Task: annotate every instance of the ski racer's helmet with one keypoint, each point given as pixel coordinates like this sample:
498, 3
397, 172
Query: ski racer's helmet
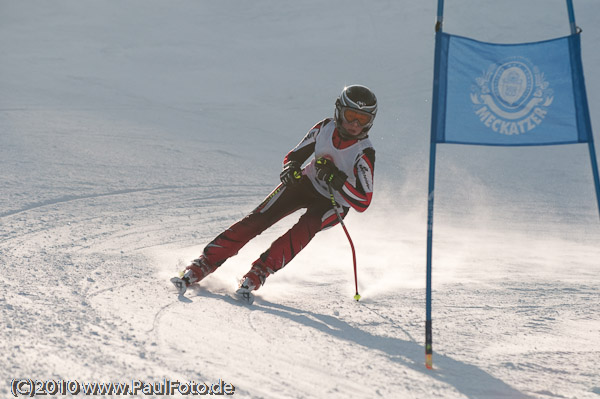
358, 103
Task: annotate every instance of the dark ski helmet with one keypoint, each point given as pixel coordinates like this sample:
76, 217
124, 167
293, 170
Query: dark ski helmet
358, 103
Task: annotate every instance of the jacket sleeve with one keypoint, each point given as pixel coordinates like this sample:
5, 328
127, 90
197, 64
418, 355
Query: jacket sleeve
306, 147
359, 196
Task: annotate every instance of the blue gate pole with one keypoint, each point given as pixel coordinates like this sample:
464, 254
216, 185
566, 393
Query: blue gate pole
571, 17
428, 327
431, 189
595, 170
591, 147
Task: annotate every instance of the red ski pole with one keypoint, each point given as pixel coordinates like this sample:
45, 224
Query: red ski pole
357, 296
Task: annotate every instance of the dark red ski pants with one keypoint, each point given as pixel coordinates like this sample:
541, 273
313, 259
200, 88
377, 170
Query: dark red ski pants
283, 201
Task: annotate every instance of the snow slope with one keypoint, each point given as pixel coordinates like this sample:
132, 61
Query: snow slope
134, 132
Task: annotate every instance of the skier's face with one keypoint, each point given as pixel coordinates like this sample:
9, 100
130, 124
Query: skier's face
353, 128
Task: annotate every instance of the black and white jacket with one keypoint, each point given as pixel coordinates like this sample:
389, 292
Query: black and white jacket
356, 158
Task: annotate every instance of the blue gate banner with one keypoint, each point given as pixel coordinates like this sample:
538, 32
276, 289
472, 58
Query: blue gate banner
510, 94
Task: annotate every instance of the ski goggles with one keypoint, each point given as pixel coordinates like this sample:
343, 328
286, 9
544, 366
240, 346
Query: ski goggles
350, 115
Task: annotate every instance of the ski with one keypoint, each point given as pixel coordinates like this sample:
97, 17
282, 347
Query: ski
241, 294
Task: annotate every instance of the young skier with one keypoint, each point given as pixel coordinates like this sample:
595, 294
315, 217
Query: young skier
343, 162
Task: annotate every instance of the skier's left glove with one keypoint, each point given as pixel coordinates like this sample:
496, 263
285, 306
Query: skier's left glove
330, 174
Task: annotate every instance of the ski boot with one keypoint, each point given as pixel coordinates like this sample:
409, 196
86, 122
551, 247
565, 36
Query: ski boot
185, 278
252, 280
192, 274
244, 292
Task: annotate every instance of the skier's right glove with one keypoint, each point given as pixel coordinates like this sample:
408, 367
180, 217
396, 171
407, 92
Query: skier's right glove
291, 173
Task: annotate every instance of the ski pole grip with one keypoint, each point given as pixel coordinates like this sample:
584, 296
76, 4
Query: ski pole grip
332, 198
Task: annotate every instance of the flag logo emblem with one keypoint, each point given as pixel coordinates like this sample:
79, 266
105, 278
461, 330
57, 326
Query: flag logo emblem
512, 96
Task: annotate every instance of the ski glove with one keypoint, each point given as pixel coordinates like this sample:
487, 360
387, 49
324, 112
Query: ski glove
291, 173
330, 174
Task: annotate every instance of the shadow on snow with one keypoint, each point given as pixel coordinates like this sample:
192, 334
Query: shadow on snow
468, 379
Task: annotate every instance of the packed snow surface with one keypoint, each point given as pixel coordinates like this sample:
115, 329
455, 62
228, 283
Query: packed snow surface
131, 133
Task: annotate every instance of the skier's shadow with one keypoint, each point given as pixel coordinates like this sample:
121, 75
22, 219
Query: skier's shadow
468, 379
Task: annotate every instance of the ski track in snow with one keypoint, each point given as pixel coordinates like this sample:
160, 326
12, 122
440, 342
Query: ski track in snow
95, 275
129, 140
